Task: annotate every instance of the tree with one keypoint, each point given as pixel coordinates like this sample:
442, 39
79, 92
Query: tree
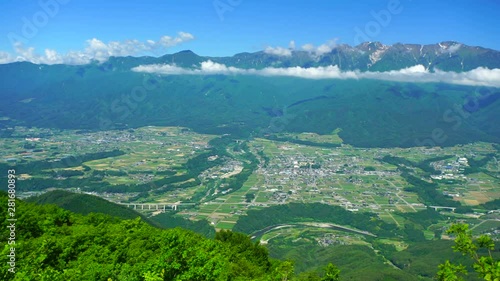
332, 273
451, 272
284, 271
249, 197
487, 267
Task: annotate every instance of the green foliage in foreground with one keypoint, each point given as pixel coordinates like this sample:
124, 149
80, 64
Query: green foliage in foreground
486, 264
332, 273
85, 204
55, 244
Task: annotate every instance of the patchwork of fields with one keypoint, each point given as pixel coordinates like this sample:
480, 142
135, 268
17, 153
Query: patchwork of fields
288, 171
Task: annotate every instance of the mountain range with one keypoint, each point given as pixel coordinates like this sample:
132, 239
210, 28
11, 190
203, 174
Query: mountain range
369, 112
368, 56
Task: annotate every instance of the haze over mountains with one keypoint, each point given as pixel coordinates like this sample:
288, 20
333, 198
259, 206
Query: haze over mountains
374, 93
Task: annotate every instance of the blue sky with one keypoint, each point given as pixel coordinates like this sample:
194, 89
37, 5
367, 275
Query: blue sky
226, 27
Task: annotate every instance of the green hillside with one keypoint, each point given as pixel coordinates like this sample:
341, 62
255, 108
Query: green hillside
370, 113
374, 257
54, 244
85, 204
170, 220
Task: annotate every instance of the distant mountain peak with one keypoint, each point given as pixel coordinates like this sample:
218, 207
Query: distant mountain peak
186, 52
370, 45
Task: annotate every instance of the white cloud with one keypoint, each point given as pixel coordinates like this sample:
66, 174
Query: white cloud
308, 47
291, 45
278, 51
326, 48
452, 49
210, 67
418, 73
5, 57
321, 72
95, 50
166, 69
321, 49
477, 77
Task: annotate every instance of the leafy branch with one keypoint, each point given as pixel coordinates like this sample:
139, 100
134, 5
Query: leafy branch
487, 267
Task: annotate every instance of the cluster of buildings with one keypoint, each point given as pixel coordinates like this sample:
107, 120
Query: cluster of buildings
450, 170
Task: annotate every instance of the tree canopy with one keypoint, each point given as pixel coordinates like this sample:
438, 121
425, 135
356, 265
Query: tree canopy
56, 244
